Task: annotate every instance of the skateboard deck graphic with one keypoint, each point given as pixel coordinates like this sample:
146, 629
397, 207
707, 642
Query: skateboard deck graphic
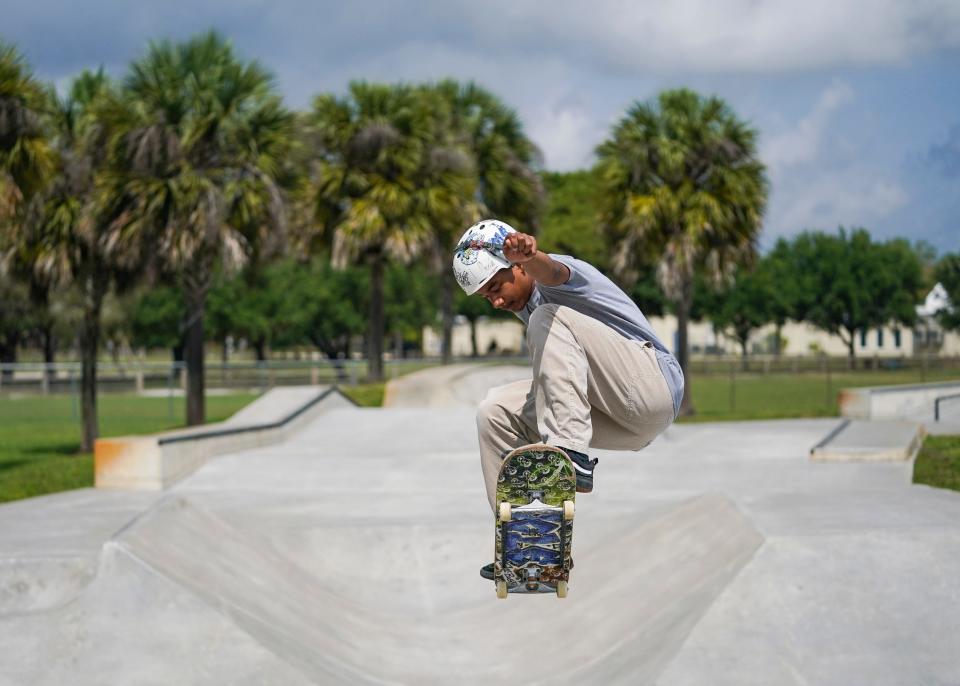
536, 488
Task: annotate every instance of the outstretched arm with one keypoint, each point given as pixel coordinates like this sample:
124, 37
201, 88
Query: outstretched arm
521, 248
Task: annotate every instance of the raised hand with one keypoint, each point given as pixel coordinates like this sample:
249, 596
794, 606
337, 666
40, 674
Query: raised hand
519, 248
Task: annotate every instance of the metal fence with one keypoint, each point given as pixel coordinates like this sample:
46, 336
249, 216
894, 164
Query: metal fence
822, 364
166, 379
159, 378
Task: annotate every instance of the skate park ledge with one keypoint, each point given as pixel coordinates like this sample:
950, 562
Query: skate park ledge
157, 461
918, 401
863, 440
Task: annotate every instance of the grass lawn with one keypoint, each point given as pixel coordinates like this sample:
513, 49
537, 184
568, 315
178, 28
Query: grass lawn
40, 437
366, 395
938, 463
718, 397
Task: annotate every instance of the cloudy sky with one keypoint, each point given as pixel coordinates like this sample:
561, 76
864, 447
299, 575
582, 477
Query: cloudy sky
857, 101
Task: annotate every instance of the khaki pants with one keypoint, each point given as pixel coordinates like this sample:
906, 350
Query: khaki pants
591, 387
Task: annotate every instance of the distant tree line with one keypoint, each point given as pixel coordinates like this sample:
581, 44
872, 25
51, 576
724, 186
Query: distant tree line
184, 202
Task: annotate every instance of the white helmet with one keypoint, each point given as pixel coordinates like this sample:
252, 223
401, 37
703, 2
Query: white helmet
479, 254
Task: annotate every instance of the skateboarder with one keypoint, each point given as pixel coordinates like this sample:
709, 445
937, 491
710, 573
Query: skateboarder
601, 377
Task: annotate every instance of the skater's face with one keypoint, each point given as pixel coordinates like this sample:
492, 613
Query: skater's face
509, 289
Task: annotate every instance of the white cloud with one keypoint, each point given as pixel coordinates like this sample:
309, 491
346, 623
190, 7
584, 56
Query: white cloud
731, 36
802, 144
815, 188
850, 197
567, 135
555, 117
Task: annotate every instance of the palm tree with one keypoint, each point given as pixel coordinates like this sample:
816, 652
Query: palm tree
66, 239
15, 321
26, 158
27, 162
199, 145
682, 185
504, 161
378, 182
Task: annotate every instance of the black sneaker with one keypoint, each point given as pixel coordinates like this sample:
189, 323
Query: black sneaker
583, 466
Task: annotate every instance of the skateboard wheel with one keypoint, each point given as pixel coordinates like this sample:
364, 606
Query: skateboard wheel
561, 589
568, 510
501, 589
505, 514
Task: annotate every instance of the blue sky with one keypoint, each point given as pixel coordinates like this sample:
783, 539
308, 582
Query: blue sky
857, 102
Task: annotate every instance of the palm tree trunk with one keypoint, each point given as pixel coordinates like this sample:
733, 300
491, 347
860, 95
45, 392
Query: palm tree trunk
683, 350
375, 338
89, 346
8, 354
49, 351
196, 301
40, 296
260, 348
446, 305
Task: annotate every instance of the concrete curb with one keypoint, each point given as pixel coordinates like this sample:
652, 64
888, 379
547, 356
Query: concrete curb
861, 440
158, 461
913, 401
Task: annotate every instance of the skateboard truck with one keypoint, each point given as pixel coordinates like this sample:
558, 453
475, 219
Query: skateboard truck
533, 578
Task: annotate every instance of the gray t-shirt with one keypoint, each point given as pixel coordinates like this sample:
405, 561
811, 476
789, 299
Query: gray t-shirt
591, 293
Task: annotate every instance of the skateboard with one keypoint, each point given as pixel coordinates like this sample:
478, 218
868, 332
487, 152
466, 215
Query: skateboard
536, 488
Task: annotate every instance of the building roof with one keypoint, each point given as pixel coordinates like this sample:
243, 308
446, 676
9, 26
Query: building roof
936, 301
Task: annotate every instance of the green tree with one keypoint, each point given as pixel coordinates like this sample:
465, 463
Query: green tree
26, 157
571, 223
15, 320
65, 237
947, 273
371, 147
785, 297
156, 319
244, 305
682, 188
847, 283
27, 163
743, 305
502, 162
320, 305
411, 304
200, 144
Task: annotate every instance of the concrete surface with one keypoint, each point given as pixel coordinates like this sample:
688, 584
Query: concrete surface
157, 461
906, 401
859, 439
349, 554
455, 384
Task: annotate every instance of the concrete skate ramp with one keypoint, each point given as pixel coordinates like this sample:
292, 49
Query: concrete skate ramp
858, 439
451, 385
228, 606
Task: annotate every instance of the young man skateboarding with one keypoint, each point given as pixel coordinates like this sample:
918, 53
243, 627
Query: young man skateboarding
601, 377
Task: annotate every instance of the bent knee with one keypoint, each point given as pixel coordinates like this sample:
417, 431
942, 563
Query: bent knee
491, 410
545, 313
